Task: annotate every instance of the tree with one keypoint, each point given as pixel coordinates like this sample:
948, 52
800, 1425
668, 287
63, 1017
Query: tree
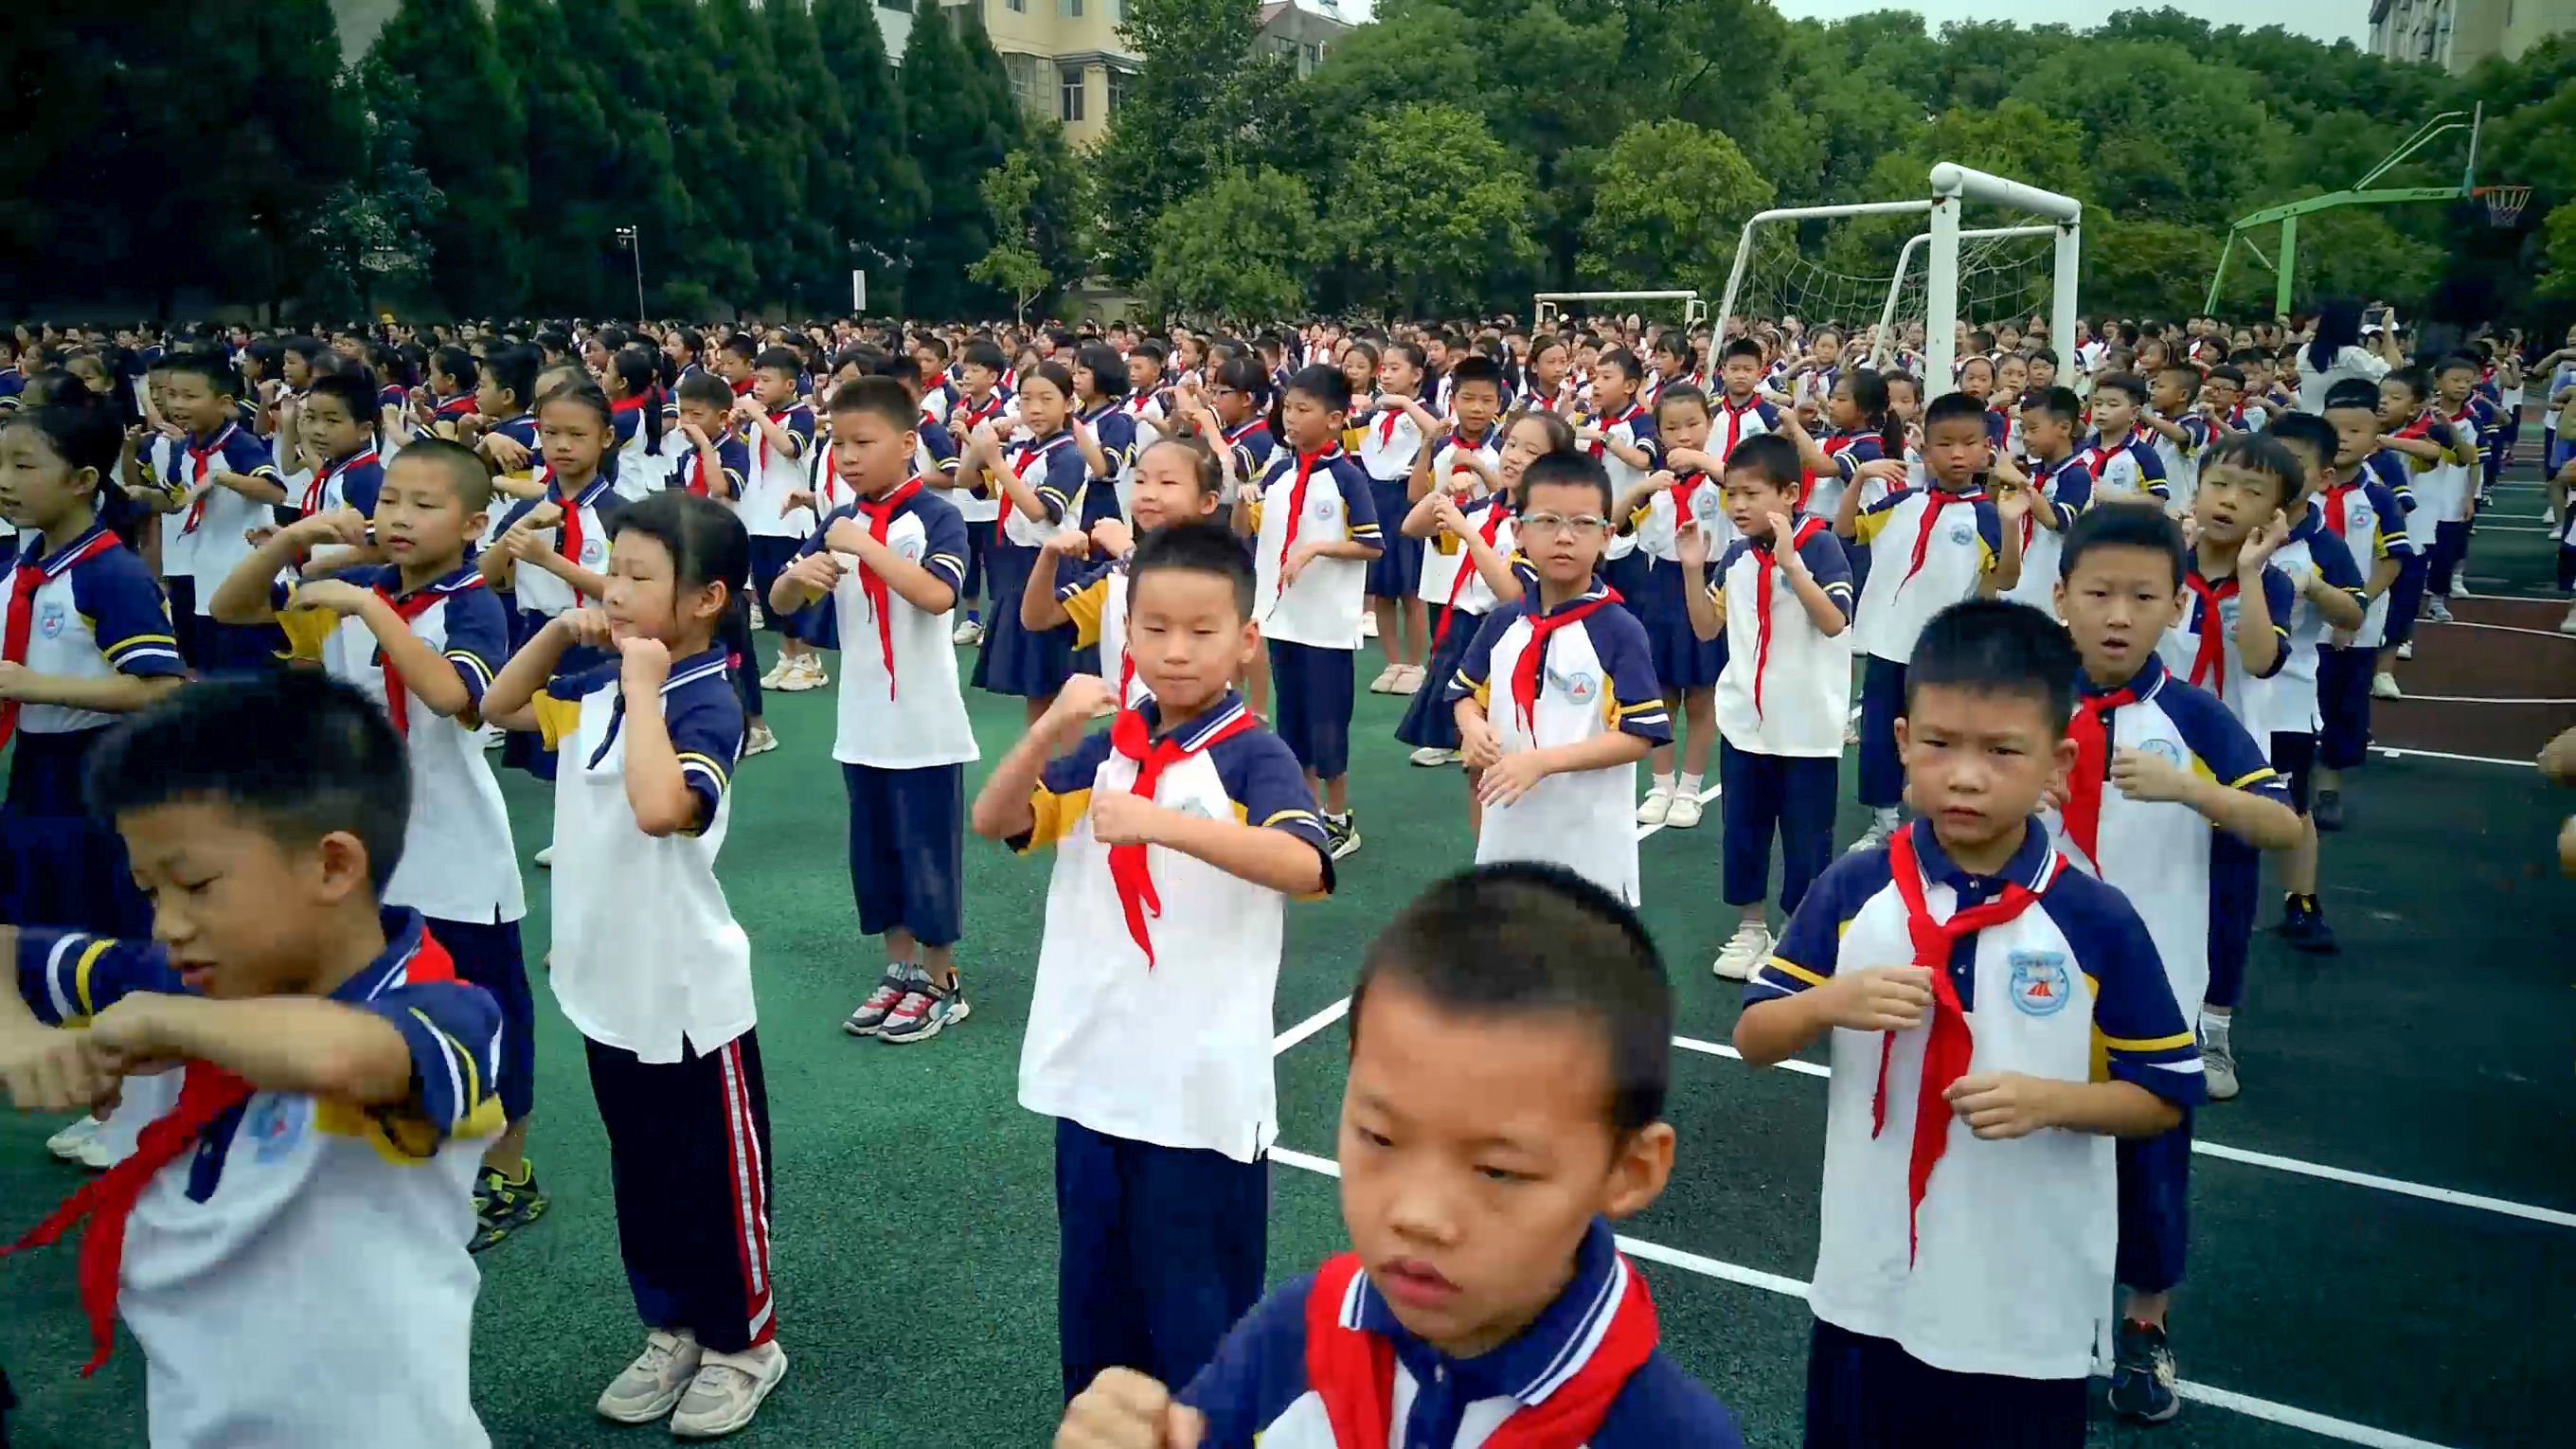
456, 100
1239, 248
1009, 192
373, 233
952, 132
570, 144
1434, 209
819, 168
771, 132
678, 72
884, 194
1189, 112
1666, 207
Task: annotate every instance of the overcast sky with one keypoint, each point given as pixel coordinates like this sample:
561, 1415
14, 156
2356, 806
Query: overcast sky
2327, 20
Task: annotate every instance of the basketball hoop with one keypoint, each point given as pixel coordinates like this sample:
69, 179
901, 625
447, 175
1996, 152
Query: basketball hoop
2504, 203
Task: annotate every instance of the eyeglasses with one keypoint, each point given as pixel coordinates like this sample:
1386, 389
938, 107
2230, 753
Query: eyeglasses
1552, 523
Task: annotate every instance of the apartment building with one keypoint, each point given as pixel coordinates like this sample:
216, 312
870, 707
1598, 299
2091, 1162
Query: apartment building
2458, 34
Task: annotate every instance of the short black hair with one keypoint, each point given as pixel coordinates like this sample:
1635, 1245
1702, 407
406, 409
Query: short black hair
355, 390
221, 378
1998, 647
2263, 453
1197, 547
2456, 362
2127, 384
1950, 407
2146, 528
2353, 392
1563, 467
1772, 456
708, 389
1624, 360
467, 473
459, 364
707, 543
2060, 403
2189, 374
1475, 367
1520, 939
1681, 392
778, 359
2417, 382
328, 761
1738, 347
883, 396
514, 370
2310, 429
984, 353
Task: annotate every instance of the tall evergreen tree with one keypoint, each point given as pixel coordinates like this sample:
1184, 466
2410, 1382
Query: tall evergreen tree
693, 90
770, 133
954, 138
635, 178
470, 132
1186, 115
885, 193
564, 228
295, 138
821, 166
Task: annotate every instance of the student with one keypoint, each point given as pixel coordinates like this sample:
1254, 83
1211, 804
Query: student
714, 462
648, 962
1477, 467
2360, 513
229, 485
2562, 526
453, 377
505, 400
1177, 481
779, 429
2124, 467
1865, 441
1314, 523
1933, 1327
343, 462
2179, 431
1512, 1025
1038, 472
1392, 438
331, 1030
1924, 565
2161, 773
2061, 481
634, 387
2450, 492
1557, 742
1679, 499
1180, 832
1783, 591
892, 561
84, 638
2418, 445
550, 553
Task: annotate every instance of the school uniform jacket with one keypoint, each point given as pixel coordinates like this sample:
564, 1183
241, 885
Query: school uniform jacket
207, 538
2127, 468
2216, 603
1322, 607
2065, 489
909, 716
1804, 674
540, 591
95, 612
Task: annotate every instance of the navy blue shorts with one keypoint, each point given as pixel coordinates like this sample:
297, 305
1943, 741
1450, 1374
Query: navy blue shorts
1882, 700
2567, 568
1160, 1250
2343, 701
770, 557
908, 850
1869, 1393
2155, 1208
60, 865
2294, 755
2406, 596
487, 954
1310, 703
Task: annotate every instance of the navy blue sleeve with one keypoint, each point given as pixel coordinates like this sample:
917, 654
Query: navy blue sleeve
249, 455
1634, 703
1359, 501
2135, 1020
2151, 472
2388, 526
129, 619
1811, 946
1661, 1406
1116, 434
800, 424
2334, 562
478, 639
1259, 1370
2219, 741
2071, 491
1831, 568
1476, 666
1064, 477
585, 684
453, 1031
943, 543
706, 725
360, 487
943, 448
1260, 774
2279, 596
1990, 527
67, 977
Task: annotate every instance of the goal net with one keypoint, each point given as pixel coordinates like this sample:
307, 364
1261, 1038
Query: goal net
1682, 306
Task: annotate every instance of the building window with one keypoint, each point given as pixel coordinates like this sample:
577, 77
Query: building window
1072, 9
1019, 5
1071, 90
1118, 11
1024, 71
1117, 80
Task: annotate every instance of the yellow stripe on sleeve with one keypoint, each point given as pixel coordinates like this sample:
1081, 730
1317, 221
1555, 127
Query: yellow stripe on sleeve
1084, 607
557, 719
708, 763
2148, 1044
1052, 815
80, 976
1787, 967
2254, 777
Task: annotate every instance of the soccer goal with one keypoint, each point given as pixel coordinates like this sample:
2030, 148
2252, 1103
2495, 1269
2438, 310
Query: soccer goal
1979, 274
1548, 306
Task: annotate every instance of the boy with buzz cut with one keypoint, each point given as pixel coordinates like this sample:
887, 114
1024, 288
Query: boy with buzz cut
779, 430
2358, 511
2176, 429
222, 484
1970, 1196
339, 1081
2162, 773
1925, 563
1512, 1024
1782, 594
1556, 745
2061, 486
892, 562
423, 637
2123, 465
1180, 831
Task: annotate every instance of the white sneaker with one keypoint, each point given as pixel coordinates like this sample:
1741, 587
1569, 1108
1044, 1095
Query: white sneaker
727, 1391
1685, 811
1747, 949
2383, 685
1409, 680
546, 856
760, 741
759, 615
1386, 678
652, 1385
2568, 624
1657, 807
1874, 838
814, 672
1368, 624
2406, 650
2460, 589
2218, 1064
777, 672
968, 631
1432, 757
800, 674
2438, 611
78, 1142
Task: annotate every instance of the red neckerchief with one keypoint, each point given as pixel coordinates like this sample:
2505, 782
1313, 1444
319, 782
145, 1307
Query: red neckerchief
1601, 445
1128, 871
1237, 437
24, 581
1525, 670
1948, 1046
1030, 451
698, 473
633, 404
743, 388
319, 489
879, 513
760, 440
1353, 1370
206, 1093
1767, 559
568, 538
1934, 500
407, 608
461, 405
1490, 530
1306, 465
1685, 512
200, 463
2209, 659
1387, 418
2091, 731
1735, 421
2335, 495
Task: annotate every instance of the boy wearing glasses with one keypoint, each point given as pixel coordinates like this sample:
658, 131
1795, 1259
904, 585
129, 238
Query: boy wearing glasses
1557, 699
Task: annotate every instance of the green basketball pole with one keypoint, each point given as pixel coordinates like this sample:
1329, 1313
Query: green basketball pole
2359, 194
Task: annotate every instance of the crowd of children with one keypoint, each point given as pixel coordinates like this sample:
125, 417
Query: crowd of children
2119, 619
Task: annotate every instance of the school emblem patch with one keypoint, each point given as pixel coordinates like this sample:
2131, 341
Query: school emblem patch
2039, 983
50, 621
1193, 807
273, 1126
2165, 750
1322, 510
1582, 687
1962, 533
593, 552
909, 550
1707, 502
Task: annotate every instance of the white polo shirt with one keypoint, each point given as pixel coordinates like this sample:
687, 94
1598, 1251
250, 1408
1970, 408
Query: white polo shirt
97, 614
1597, 676
1805, 673
301, 1278
2012, 1261
2226, 676
2181, 461
1327, 499
775, 473
458, 861
2065, 488
1894, 607
592, 508
913, 717
2311, 550
647, 955
213, 526
2126, 469
1389, 442
1176, 1053
1448, 569
1052, 467
1634, 428
1096, 601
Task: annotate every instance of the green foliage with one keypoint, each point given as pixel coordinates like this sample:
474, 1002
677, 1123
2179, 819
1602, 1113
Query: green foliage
1010, 193
1186, 114
1666, 207
883, 192
1241, 247
1433, 210
435, 70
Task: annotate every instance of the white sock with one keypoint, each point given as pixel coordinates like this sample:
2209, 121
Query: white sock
1885, 816
1664, 784
2213, 1026
1691, 785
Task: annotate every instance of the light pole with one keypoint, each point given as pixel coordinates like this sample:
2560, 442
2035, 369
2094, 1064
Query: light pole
633, 241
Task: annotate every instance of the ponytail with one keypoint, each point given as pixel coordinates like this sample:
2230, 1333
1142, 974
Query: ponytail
637, 371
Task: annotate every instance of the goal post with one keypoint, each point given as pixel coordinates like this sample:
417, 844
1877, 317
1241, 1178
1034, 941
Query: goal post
1904, 265
1546, 305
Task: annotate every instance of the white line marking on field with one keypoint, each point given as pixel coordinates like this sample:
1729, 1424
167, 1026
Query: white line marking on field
2499, 628
1706, 1267
1311, 1025
1704, 797
2480, 699
2463, 759
1721, 1049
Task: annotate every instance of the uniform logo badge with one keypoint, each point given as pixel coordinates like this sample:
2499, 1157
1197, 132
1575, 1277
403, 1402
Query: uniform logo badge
592, 551
1581, 687
50, 621
1323, 509
909, 550
273, 1125
2040, 985
2163, 749
1962, 533
1192, 807
1707, 502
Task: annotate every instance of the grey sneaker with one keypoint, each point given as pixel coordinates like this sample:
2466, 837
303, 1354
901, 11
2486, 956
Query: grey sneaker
652, 1385
727, 1391
1342, 834
2217, 1065
925, 1011
2438, 611
870, 1018
2142, 1375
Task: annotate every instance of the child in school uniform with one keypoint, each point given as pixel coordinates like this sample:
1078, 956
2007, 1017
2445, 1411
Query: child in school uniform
1477, 467
975, 396
2451, 492
2161, 771
1038, 473
892, 563
634, 387
1392, 436
2351, 506
1513, 1023
1924, 564
2061, 484
1105, 433
714, 462
2124, 466
343, 463
1177, 481
779, 429
648, 962
339, 1080
84, 638
1180, 832
1557, 698
2178, 432
2421, 449
227, 485
423, 635
1314, 525
451, 405
1971, 1200
1680, 497
1782, 592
